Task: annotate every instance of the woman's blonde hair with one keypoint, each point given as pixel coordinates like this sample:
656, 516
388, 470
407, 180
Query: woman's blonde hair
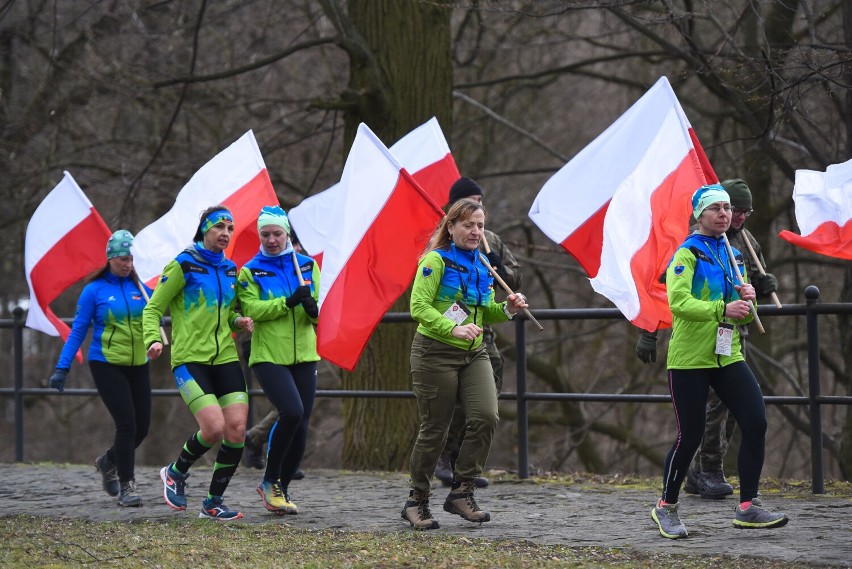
459, 211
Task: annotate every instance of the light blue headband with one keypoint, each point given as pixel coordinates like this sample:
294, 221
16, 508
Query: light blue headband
706, 195
273, 215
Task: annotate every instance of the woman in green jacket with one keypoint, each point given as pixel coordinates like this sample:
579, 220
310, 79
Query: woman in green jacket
199, 289
707, 304
279, 290
451, 299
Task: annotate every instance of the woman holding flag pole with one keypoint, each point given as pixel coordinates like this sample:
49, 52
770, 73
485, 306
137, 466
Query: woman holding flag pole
279, 290
198, 287
709, 297
113, 302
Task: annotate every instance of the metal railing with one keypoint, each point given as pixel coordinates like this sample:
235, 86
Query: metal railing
814, 400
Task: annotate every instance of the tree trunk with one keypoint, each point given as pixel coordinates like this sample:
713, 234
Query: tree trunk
408, 80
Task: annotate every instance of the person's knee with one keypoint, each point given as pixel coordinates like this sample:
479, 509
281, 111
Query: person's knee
482, 422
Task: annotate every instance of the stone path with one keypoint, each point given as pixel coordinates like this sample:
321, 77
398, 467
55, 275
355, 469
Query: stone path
819, 533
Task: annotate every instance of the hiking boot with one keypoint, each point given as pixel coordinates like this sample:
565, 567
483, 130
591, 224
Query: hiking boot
461, 501
444, 469
215, 509
109, 474
253, 455
668, 521
416, 511
712, 484
128, 496
299, 474
480, 481
755, 517
692, 484
272, 495
173, 487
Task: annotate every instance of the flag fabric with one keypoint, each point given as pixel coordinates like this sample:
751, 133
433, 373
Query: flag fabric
824, 211
622, 205
423, 152
236, 178
65, 241
375, 233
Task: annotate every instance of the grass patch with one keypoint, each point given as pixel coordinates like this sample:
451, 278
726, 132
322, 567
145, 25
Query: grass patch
30, 541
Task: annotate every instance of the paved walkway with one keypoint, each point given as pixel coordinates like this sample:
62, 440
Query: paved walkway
819, 533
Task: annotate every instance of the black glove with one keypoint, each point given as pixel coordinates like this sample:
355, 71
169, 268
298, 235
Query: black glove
297, 296
497, 262
765, 284
646, 347
57, 380
310, 306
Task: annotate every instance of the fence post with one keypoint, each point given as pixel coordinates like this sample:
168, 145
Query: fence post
523, 426
817, 473
18, 355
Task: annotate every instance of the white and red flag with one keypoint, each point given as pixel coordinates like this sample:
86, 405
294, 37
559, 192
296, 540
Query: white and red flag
236, 178
375, 233
824, 211
622, 205
65, 241
423, 152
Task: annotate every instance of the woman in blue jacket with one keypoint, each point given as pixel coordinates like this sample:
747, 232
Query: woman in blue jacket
112, 303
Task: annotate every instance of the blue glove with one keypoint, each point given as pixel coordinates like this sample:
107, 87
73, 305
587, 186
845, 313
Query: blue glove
57, 380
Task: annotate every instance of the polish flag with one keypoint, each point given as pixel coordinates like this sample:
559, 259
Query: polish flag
424, 152
65, 242
237, 178
623, 204
824, 211
376, 231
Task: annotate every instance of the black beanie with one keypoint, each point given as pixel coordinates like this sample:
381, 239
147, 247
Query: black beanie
464, 188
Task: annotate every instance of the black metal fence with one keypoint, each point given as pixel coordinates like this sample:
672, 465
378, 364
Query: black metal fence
814, 400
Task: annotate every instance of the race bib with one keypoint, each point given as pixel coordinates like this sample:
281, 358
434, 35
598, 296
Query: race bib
458, 313
724, 339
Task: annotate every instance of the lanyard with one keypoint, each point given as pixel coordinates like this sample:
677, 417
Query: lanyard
726, 267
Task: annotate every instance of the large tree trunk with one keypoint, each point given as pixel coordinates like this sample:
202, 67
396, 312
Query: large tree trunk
407, 81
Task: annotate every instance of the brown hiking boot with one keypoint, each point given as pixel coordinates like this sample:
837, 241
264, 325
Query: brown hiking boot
460, 501
416, 511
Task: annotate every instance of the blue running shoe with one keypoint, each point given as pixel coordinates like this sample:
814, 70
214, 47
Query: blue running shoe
215, 509
173, 487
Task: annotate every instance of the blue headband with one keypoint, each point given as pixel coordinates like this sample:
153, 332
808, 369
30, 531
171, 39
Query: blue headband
215, 217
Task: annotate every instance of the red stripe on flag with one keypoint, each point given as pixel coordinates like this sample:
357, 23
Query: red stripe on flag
671, 210
436, 178
81, 252
828, 239
586, 242
379, 270
245, 204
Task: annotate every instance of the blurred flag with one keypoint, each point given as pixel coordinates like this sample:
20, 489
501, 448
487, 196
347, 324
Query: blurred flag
424, 152
376, 230
823, 211
237, 178
621, 206
65, 241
